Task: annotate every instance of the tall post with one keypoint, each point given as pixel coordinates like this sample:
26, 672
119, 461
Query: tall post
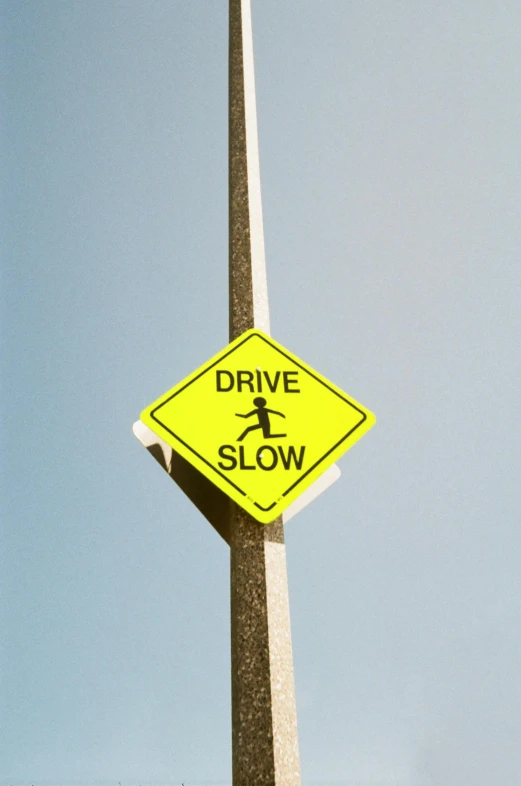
264, 721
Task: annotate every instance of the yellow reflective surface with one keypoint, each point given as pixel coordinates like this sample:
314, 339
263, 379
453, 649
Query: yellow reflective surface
260, 423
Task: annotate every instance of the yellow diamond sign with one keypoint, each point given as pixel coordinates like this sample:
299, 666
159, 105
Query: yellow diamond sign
260, 423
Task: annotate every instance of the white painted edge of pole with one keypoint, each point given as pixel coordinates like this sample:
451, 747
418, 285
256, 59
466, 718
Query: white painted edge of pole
261, 312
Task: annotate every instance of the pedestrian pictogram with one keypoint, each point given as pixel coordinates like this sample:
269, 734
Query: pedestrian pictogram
298, 423
263, 414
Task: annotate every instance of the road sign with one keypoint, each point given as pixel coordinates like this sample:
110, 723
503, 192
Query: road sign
259, 423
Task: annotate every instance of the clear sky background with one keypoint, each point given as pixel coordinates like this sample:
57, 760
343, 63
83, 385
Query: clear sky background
391, 166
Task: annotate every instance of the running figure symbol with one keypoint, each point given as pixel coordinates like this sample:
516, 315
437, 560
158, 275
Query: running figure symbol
264, 419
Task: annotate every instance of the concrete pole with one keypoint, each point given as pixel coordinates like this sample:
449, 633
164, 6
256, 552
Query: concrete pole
264, 721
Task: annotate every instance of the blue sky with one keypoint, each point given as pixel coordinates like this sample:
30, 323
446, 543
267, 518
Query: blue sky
390, 163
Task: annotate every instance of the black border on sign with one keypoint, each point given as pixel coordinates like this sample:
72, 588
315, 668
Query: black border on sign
219, 359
